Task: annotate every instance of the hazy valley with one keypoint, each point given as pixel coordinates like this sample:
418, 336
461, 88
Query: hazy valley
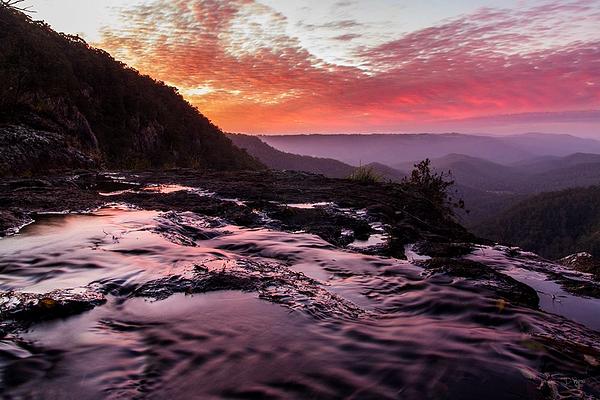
490, 176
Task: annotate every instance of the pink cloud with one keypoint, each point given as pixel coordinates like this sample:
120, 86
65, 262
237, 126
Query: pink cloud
493, 62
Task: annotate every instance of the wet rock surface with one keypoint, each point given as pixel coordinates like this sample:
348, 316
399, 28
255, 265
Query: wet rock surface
273, 282
24, 150
583, 262
484, 277
208, 285
245, 198
18, 309
571, 279
443, 249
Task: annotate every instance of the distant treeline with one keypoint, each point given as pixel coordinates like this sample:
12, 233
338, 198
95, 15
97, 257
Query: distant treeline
553, 224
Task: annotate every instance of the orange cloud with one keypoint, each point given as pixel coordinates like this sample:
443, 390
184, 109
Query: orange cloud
235, 62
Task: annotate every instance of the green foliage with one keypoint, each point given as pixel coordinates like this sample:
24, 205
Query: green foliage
365, 174
435, 186
58, 83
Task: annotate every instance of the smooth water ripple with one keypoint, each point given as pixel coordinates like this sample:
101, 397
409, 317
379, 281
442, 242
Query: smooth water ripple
407, 334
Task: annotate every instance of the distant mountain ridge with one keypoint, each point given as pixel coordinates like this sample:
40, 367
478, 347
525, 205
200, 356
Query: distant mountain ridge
548, 163
329, 167
476, 172
394, 149
280, 160
489, 188
552, 144
64, 104
536, 175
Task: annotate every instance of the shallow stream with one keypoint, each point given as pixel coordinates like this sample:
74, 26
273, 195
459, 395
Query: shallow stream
290, 316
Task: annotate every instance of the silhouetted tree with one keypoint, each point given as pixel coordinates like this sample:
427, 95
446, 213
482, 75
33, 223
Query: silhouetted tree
433, 185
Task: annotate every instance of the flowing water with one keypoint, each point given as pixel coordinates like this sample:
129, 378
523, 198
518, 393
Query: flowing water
553, 298
293, 317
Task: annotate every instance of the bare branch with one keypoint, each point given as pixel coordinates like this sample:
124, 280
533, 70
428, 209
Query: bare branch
14, 4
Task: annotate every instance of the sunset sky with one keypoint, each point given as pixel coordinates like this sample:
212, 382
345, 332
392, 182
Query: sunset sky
347, 66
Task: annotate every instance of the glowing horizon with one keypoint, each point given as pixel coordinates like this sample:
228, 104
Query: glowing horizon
346, 66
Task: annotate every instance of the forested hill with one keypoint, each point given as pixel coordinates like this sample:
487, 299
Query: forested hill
64, 104
553, 224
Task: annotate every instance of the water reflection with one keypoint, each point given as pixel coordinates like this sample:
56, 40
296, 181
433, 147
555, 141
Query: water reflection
419, 336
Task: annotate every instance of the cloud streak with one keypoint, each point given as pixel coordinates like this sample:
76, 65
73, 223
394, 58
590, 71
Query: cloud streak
237, 63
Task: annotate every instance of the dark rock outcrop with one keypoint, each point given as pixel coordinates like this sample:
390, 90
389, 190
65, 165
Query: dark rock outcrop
242, 197
26, 151
273, 282
18, 308
583, 262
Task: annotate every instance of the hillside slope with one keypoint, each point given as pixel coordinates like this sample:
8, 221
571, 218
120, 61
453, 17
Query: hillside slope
477, 173
553, 224
280, 160
329, 167
489, 188
533, 176
58, 94
547, 163
552, 144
